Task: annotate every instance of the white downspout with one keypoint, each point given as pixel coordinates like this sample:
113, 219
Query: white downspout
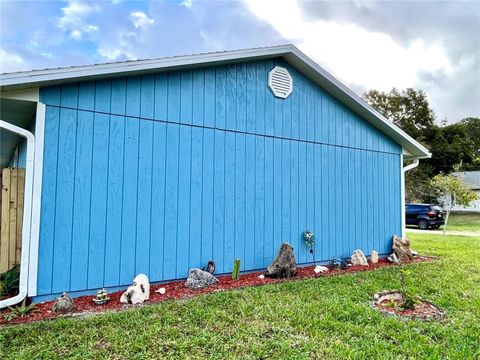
404, 170
27, 214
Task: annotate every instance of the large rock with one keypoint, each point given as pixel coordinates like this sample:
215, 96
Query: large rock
199, 279
284, 265
374, 257
138, 292
359, 258
401, 248
63, 304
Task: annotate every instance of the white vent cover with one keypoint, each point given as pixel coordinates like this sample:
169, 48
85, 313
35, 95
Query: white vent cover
280, 82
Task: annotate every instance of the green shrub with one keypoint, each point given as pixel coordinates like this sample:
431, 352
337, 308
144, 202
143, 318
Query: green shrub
9, 281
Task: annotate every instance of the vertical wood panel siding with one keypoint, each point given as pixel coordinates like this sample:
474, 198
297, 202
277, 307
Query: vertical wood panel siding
160, 173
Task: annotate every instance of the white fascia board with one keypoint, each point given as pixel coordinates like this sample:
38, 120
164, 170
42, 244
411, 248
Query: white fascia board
88, 72
289, 52
337, 89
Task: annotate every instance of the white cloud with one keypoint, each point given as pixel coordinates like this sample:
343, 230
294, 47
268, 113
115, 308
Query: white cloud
187, 3
140, 19
74, 19
76, 34
10, 62
361, 57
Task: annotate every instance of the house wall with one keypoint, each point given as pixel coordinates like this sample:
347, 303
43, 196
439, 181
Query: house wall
160, 173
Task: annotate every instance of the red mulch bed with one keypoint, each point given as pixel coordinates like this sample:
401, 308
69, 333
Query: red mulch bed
177, 290
423, 311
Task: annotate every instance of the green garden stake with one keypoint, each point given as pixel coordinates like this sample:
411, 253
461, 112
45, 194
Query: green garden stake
236, 269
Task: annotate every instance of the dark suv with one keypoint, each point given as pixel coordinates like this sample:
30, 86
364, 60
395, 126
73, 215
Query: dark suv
424, 216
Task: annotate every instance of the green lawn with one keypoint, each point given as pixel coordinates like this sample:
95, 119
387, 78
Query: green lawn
464, 222
316, 318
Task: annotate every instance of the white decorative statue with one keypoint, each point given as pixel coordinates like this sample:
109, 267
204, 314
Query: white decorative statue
138, 292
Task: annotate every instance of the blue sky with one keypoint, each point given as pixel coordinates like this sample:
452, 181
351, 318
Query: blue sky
429, 45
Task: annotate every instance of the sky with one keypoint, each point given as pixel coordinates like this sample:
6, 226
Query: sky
429, 45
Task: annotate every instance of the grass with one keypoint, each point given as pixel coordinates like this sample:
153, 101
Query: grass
316, 318
464, 222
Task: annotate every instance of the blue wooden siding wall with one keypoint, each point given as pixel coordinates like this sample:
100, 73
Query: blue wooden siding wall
160, 173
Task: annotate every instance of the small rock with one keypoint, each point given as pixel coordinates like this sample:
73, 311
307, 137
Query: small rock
261, 276
414, 253
320, 269
284, 265
63, 304
138, 292
210, 267
335, 263
344, 264
374, 257
359, 258
392, 258
162, 291
199, 279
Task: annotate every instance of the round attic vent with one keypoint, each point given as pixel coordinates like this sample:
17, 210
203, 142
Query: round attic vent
280, 82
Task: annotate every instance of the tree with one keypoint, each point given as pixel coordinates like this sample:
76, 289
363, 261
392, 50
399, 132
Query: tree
471, 127
452, 191
408, 109
453, 147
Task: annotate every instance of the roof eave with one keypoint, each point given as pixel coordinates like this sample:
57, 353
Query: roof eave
290, 53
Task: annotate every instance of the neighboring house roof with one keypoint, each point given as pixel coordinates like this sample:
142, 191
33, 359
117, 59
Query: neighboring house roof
472, 178
293, 56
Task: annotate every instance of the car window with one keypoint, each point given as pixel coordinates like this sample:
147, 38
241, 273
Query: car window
412, 207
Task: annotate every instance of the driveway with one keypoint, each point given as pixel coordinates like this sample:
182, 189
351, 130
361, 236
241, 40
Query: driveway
449, 232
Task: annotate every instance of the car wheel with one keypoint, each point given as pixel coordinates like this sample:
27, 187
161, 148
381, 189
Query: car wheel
422, 224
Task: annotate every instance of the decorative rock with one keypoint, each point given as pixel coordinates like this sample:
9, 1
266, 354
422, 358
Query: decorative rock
261, 276
138, 292
359, 258
401, 248
320, 269
374, 257
392, 258
199, 279
387, 296
335, 263
162, 291
284, 265
63, 304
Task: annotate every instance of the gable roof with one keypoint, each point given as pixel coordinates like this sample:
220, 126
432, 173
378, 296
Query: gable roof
472, 178
293, 56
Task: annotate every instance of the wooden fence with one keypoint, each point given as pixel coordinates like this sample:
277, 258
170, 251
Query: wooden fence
11, 217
